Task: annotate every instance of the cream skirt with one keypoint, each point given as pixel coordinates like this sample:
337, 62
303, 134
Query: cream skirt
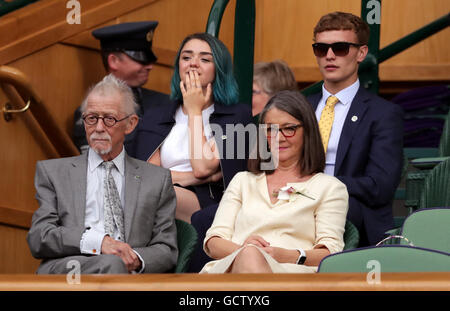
222, 265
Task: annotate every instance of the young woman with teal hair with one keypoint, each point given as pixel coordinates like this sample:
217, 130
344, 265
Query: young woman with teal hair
189, 136
225, 88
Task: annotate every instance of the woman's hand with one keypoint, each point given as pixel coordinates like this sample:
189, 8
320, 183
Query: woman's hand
203, 154
194, 99
256, 240
282, 255
218, 248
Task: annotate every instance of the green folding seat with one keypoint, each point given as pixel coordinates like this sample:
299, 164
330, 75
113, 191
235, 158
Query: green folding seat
428, 228
387, 258
351, 236
187, 241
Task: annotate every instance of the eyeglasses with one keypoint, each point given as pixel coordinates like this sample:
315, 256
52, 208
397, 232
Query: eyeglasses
287, 131
338, 48
258, 92
109, 121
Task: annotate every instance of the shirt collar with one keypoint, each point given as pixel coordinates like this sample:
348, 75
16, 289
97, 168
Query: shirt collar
346, 95
94, 160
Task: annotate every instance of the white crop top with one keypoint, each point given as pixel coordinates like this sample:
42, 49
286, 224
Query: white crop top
175, 148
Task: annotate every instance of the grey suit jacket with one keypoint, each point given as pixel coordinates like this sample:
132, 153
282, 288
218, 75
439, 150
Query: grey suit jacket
149, 211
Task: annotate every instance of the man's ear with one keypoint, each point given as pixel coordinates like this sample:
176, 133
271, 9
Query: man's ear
362, 53
113, 62
132, 123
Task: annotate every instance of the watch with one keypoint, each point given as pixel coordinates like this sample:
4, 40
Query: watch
302, 257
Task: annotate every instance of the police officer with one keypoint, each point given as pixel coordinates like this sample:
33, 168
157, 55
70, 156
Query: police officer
126, 51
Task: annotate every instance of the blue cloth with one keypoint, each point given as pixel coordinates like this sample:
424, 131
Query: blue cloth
369, 162
202, 221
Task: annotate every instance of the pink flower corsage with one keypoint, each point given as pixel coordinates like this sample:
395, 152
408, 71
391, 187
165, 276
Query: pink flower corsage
288, 193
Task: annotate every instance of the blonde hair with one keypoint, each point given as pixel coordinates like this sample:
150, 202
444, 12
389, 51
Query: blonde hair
273, 77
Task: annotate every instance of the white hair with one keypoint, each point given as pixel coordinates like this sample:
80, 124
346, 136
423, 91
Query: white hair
111, 85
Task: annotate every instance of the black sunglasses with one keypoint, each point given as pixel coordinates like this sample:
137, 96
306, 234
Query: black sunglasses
338, 48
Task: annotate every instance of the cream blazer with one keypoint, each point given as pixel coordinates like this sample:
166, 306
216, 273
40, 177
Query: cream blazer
313, 216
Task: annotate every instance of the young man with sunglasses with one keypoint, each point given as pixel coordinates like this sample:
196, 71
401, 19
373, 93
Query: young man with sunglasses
365, 145
126, 51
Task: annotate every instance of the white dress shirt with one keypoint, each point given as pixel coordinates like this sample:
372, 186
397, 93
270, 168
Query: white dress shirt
91, 241
175, 148
341, 109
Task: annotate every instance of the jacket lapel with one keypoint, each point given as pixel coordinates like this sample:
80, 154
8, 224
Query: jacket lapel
78, 180
354, 117
132, 183
167, 113
220, 109
160, 123
314, 100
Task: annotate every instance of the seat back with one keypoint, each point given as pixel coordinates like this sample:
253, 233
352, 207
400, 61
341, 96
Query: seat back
444, 142
398, 258
351, 236
187, 241
435, 192
428, 228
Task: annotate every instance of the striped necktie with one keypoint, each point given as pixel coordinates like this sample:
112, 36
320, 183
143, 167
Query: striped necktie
326, 120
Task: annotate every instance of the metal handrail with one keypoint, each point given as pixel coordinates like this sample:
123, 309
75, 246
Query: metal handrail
413, 38
10, 79
244, 41
215, 17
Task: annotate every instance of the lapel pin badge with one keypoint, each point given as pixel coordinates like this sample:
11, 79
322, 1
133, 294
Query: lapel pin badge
354, 118
137, 177
224, 137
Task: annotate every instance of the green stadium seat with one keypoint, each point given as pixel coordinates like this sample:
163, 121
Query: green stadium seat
391, 258
429, 228
351, 236
187, 241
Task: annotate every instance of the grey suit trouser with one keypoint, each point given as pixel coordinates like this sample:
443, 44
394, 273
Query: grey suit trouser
100, 264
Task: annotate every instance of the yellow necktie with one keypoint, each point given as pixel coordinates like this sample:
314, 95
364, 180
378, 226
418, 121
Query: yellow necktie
326, 120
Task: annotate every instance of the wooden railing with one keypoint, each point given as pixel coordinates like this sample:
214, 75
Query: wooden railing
26, 31
435, 281
24, 99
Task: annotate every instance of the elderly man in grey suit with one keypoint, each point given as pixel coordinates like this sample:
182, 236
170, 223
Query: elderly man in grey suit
104, 209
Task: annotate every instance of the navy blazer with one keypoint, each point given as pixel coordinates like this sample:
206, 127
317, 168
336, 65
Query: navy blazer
158, 121
369, 161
